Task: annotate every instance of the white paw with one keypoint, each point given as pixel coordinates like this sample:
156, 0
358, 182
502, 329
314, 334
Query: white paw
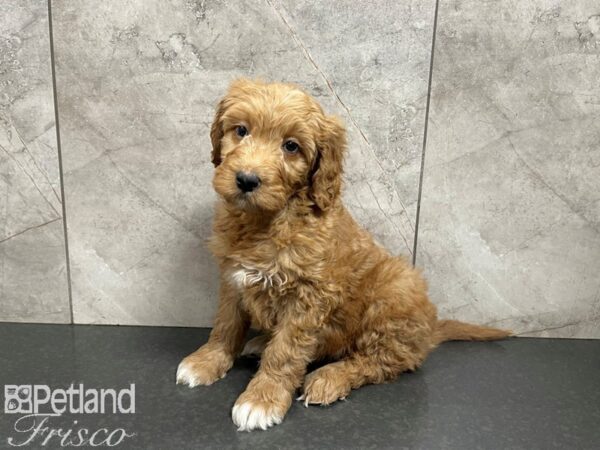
248, 417
185, 375
189, 373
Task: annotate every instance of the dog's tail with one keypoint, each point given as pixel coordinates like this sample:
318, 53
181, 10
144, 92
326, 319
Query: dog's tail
452, 330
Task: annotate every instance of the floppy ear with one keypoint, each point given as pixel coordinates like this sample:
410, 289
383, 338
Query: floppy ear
326, 180
216, 133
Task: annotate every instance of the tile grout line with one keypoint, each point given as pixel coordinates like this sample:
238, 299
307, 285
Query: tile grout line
60, 165
425, 130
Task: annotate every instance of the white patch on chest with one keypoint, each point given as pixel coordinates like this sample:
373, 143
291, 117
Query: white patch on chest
247, 276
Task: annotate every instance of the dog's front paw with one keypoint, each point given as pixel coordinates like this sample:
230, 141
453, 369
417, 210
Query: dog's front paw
261, 406
203, 367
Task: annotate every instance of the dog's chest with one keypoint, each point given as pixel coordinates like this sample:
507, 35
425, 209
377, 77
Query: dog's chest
263, 271
259, 266
264, 293
246, 276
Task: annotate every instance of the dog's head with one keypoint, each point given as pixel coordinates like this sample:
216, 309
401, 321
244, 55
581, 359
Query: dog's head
272, 142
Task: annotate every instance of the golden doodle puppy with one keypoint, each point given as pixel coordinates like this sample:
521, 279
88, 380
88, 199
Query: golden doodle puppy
295, 265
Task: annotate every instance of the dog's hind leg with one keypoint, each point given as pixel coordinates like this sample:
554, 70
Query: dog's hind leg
334, 381
395, 335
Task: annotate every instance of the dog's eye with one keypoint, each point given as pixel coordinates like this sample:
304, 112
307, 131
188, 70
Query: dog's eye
291, 147
241, 131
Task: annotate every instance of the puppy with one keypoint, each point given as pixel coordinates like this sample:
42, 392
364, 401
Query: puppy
295, 265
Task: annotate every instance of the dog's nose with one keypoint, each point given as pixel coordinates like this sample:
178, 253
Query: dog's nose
246, 182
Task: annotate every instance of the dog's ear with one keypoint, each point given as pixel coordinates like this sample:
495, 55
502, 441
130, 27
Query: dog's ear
326, 174
216, 133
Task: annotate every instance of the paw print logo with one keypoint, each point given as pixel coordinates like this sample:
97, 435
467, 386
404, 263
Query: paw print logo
17, 399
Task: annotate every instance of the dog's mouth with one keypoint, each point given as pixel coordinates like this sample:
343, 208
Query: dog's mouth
247, 201
244, 199
261, 202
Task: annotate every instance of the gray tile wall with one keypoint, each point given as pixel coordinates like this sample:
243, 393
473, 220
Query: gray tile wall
137, 85
33, 274
509, 212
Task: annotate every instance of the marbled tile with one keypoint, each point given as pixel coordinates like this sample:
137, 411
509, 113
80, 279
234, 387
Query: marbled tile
510, 215
33, 281
376, 59
137, 84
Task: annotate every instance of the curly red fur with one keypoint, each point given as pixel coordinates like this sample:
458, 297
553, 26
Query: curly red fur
295, 265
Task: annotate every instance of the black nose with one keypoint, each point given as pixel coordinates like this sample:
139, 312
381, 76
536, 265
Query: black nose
246, 182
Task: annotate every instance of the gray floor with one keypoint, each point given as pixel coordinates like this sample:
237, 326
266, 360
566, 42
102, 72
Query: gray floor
520, 393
